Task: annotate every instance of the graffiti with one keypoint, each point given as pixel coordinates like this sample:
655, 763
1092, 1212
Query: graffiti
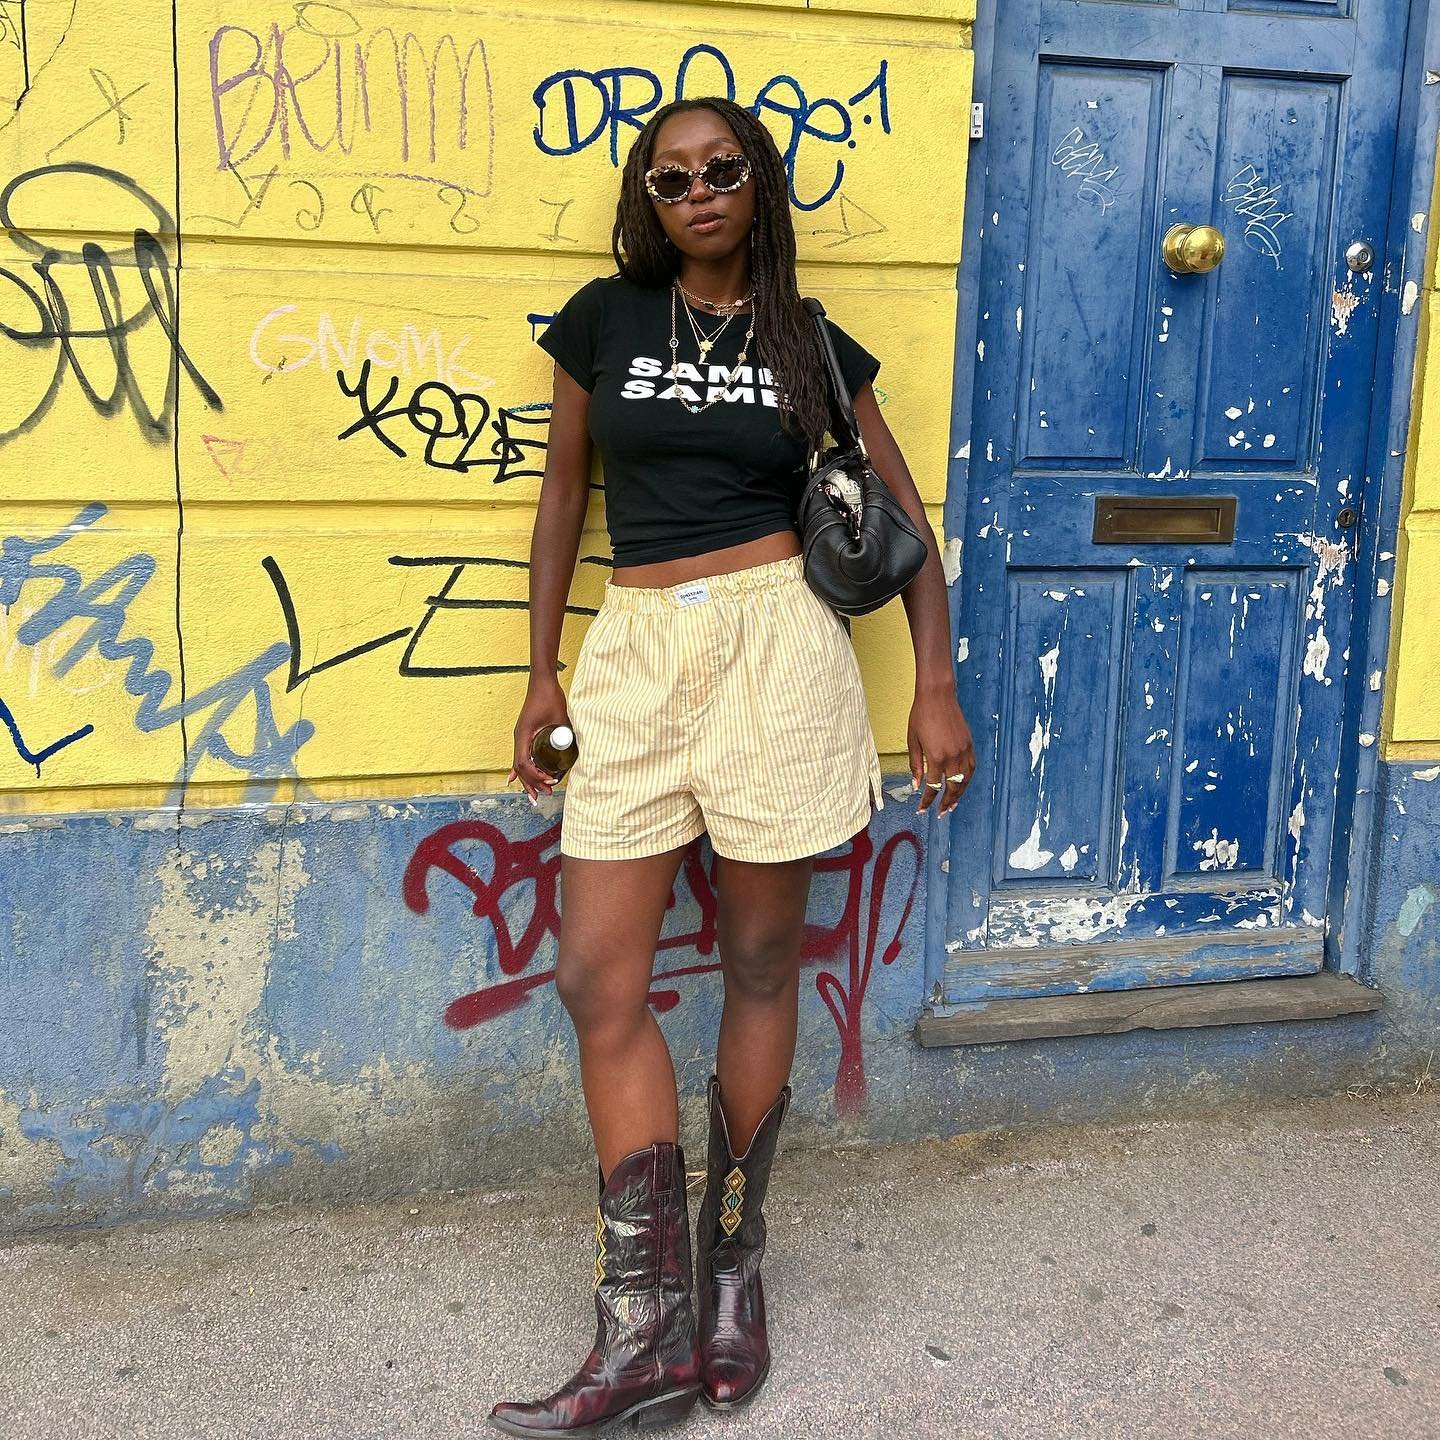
1085, 161
533, 866
37, 757
114, 105
101, 608
324, 84
553, 233
1253, 200
14, 52
453, 425
578, 107
407, 351
56, 328
442, 602
310, 206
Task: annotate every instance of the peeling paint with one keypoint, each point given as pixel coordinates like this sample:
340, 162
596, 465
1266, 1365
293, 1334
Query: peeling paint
950, 558
1343, 305
1218, 854
1030, 854
1418, 901
212, 967
1317, 656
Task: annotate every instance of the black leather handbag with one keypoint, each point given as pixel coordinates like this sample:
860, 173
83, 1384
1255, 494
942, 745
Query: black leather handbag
860, 546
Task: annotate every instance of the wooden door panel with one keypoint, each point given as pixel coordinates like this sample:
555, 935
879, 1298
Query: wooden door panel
1093, 212
1265, 321
1067, 637
1234, 725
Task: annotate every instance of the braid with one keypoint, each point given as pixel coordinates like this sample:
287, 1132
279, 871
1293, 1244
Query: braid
785, 338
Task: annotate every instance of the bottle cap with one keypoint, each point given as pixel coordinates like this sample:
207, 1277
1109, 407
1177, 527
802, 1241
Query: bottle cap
561, 737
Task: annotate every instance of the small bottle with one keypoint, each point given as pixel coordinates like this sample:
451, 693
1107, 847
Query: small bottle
553, 749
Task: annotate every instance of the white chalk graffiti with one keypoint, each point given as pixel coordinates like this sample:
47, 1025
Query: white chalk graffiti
1252, 199
1085, 161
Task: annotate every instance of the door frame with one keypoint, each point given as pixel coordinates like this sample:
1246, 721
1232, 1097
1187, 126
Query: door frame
1387, 455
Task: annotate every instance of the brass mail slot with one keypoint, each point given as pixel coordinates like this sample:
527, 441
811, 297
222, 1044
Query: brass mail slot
1164, 520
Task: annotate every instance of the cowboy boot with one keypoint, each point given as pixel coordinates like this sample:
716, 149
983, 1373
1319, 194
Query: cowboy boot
734, 1347
644, 1365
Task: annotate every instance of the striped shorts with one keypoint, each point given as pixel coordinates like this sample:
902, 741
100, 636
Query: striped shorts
732, 704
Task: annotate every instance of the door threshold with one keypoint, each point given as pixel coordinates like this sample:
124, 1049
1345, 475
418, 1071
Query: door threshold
1110, 1012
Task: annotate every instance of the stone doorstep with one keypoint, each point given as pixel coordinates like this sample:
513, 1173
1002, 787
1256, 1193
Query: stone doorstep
1323, 996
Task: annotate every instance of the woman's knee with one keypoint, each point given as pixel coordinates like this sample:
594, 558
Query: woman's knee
593, 997
761, 967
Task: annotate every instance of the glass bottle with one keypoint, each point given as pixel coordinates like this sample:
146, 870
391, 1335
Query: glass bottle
554, 750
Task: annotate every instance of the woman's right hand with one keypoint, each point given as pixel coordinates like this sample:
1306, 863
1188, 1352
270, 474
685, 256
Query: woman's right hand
544, 705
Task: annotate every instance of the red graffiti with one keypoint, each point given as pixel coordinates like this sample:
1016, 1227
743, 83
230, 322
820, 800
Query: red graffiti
525, 863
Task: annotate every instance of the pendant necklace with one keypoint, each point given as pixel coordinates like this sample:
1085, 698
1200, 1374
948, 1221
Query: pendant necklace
704, 345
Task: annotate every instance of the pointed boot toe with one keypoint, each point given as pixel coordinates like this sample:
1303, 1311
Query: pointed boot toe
515, 1418
731, 1382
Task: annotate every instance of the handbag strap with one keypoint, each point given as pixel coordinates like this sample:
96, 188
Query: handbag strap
842, 410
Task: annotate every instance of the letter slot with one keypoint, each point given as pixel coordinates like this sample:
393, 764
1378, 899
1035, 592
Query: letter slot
1164, 520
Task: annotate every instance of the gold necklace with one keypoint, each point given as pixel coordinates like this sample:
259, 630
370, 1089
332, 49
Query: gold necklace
718, 306
675, 356
704, 341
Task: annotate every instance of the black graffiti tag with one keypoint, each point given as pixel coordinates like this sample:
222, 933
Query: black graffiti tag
455, 425
56, 329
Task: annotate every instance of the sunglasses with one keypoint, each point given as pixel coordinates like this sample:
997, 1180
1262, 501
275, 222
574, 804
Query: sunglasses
670, 184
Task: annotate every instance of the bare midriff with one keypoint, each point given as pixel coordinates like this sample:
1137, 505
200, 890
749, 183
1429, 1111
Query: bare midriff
712, 562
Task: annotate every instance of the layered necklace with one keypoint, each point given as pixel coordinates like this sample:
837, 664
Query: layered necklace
706, 341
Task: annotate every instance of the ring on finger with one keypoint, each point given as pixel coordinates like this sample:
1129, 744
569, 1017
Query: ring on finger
934, 784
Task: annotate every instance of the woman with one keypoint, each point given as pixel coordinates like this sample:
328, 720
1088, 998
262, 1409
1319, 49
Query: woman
713, 690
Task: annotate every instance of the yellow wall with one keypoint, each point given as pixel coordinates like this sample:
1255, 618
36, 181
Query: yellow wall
1413, 708
367, 185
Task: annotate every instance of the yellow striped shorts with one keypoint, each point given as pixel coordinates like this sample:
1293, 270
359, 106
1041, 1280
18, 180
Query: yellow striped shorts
732, 704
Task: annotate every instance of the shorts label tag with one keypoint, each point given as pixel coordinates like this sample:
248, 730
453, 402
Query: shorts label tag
695, 593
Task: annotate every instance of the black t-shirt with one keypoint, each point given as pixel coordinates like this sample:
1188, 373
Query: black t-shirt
677, 483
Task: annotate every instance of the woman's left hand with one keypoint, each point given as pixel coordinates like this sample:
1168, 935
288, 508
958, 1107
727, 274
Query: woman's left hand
941, 748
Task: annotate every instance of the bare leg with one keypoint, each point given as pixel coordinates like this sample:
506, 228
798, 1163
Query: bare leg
760, 926
611, 913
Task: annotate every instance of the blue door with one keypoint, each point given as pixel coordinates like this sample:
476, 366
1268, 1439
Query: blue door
1166, 471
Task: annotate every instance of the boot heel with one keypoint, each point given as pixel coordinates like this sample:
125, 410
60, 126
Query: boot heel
669, 1410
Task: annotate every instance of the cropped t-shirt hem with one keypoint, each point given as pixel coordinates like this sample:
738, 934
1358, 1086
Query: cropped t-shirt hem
683, 548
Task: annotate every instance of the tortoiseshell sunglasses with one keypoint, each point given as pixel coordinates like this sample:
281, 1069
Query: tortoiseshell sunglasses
671, 183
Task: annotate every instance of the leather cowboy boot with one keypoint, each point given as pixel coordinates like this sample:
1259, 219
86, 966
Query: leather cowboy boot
645, 1365
734, 1347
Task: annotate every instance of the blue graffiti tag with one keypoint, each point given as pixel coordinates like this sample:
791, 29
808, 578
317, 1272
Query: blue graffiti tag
577, 107
104, 602
36, 757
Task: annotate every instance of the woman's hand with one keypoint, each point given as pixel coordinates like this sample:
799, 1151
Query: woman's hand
941, 747
544, 705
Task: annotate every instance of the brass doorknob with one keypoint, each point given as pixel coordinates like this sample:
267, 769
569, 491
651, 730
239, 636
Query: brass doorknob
1193, 249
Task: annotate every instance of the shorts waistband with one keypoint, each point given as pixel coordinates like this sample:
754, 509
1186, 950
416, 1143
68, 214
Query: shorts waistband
733, 583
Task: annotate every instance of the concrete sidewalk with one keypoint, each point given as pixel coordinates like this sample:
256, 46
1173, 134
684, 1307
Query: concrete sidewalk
1270, 1273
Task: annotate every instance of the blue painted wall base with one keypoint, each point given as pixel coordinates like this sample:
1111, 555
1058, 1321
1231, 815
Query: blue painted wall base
336, 1003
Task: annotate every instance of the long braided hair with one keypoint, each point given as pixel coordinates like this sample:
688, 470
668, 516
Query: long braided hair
785, 338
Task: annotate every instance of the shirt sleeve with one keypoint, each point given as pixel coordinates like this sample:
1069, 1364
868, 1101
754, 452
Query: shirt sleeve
572, 338
857, 364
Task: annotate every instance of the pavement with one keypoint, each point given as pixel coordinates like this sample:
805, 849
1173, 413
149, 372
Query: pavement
1264, 1273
